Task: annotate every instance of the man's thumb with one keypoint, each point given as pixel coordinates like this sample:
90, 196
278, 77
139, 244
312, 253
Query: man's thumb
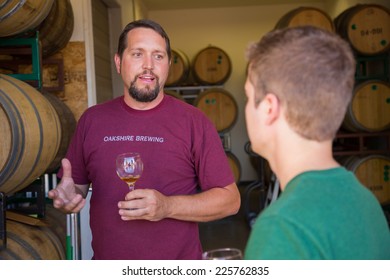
66, 168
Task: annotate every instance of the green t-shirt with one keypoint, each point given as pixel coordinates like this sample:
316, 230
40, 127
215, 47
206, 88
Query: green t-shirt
321, 215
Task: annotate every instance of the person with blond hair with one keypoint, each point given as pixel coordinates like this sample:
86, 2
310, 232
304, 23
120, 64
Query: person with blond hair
299, 83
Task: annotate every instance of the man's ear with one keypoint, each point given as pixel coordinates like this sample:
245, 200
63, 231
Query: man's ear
117, 60
271, 108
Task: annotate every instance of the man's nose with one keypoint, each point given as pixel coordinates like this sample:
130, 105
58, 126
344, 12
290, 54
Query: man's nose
148, 62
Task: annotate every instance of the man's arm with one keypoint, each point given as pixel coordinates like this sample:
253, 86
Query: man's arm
213, 204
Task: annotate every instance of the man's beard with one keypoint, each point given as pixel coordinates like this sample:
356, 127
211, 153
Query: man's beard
146, 94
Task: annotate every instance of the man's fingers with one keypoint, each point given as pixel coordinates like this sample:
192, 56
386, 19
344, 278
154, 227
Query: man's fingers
79, 206
58, 203
75, 204
52, 194
66, 167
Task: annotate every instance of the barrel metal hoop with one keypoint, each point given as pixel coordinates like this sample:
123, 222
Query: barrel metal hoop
24, 244
18, 137
13, 10
5, 3
39, 152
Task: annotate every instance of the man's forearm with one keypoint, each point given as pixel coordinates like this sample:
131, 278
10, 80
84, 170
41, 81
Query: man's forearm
213, 204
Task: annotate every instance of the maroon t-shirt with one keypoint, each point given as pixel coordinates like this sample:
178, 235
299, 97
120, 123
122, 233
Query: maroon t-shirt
182, 154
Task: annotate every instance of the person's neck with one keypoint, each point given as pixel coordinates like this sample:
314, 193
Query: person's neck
137, 105
299, 155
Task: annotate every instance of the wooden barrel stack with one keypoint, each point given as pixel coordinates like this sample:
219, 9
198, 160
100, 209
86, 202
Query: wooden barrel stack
211, 66
28, 242
22, 16
209, 69
32, 137
57, 28
179, 69
53, 19
222, 110
369, 109
36, 126
367, 29
306, 16
68, 126
31, 132
219, 106
373, 172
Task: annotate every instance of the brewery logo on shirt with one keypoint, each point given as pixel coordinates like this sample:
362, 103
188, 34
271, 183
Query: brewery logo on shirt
133, 138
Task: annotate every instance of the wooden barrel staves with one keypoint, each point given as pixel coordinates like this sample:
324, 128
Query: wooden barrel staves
235, 166
19, 16
373, 172
211, 66
369, 109
306, 16
30, 131
56, 221
27, 242
366, 27
179, 69
55, 31
68, 126
219, 106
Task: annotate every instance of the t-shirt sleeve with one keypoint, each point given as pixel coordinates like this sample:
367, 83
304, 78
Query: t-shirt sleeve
211, 162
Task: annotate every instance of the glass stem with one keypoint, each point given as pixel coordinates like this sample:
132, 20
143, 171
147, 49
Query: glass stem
131, 187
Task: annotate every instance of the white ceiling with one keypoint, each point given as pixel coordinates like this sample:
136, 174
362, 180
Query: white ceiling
196, 4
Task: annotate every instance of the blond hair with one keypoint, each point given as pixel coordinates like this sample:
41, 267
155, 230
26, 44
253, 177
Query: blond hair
311, 71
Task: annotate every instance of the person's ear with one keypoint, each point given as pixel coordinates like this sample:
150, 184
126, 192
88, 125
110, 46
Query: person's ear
271, 108
117, 60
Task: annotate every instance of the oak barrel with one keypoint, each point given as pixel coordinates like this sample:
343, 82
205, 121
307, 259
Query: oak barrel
234, 165
30, 131
179, 69
369, 109
57, 28
27, 242
306, 16
68, 126
373, 172
19, 16
219, 106
211, 66
366, 27
56, 221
